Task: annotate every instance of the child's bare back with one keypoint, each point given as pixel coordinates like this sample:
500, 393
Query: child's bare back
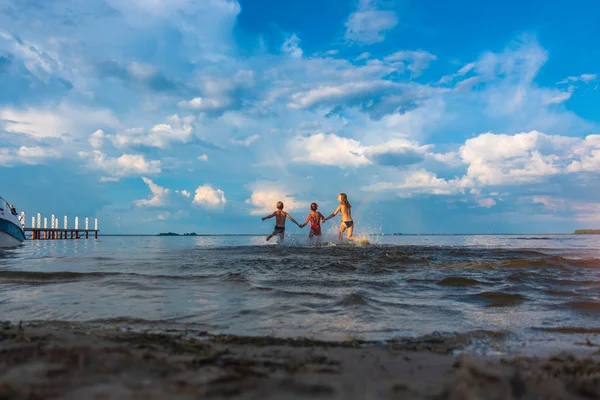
280, 217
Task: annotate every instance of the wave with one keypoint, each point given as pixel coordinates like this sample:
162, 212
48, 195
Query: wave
33, 277
458, 281
353, 299
497, 299
570, 329
584, 305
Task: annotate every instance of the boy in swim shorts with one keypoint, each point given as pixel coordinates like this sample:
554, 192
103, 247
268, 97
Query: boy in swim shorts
280, 217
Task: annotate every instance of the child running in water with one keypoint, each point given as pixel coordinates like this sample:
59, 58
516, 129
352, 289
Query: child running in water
280, 217
315, 218
347, 222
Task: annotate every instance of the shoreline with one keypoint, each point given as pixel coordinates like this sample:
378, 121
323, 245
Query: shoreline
82, 360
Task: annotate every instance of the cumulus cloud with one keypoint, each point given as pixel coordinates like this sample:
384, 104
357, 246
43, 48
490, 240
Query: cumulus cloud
220, 95
160, 136
63, 121
498, 159
415, 182
330, 149
486, 202
126, 165
27, 155
208, 197
203, 157
97, 138
368, 25
327, 149
397, 153
158, 198
184, 193
265, 196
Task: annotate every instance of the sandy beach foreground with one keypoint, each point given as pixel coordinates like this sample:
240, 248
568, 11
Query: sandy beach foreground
80, 361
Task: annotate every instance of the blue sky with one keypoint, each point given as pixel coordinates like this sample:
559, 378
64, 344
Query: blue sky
183, 115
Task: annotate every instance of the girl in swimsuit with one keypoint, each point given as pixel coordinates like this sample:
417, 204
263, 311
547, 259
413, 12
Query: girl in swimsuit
315, 218
347, 223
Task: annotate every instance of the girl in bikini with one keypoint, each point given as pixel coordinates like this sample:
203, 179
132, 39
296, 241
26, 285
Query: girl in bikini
315, 218
347, 222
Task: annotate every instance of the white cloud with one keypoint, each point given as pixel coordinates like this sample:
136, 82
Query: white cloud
416, 61
265, 196
560, 98
246, 141
40, 62
27, 155
203, 157
416, 182
588, 153
64, 121
291, 46
208, 197
158, 198
184, 193
396, 153
97, 138
586, 78
120, 167
368, 25
38, 123
377, 97
496, 159
204, 104
486, 202
160, 136
327, 149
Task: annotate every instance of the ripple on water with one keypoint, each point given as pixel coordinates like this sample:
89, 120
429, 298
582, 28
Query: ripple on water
499, 299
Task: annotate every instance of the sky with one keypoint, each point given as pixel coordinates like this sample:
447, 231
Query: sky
199, 115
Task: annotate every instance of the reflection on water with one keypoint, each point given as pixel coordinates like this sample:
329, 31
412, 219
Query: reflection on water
401, 285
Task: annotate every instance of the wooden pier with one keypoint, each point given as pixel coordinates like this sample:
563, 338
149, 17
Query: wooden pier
39, 231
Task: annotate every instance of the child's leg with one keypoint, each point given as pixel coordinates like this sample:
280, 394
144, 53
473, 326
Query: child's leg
350, 231
270, 236
281, 235
342, 229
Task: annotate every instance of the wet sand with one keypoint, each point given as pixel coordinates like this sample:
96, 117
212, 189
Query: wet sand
81, 361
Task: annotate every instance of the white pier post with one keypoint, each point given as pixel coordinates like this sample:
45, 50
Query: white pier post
96, 224
45, 223
39, 220
76, 223
52, 223
86, 224
32, 222
65, 222
22, 219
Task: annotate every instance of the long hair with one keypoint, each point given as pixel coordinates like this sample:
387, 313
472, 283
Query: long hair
345, 200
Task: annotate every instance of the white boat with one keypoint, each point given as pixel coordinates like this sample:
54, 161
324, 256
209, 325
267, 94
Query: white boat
11, 231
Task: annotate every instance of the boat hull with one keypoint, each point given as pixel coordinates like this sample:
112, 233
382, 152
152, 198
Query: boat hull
8, 241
